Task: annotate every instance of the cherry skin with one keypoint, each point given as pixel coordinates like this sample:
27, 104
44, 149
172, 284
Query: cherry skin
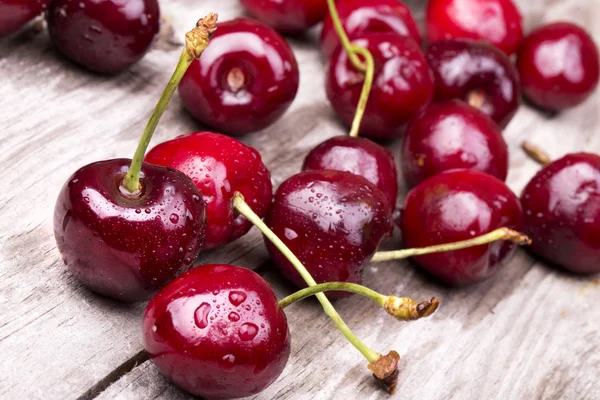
361, 157
333, 221
16, 13
290, 17
562, 212
361, 16
496, 21
477, 73
559, 66
402, 84
452, 135
217, 332
458, 205
219, 166
126, 247
245, 80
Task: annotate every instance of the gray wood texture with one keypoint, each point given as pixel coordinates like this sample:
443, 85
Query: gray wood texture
530, 332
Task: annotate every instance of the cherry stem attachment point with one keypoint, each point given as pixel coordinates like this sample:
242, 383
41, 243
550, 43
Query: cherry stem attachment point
536, 153
366, 89
243, 208
498, 234
196, 41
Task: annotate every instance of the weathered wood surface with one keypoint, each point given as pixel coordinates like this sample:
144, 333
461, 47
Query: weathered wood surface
530, 332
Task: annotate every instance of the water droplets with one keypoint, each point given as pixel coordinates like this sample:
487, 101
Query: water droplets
201, 315
236, 297
233, 316
174, 218
248, 331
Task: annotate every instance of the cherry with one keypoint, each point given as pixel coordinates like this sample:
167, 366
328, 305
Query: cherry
219, 166
478, 73
361, 16
16, 13
458, 205
452, 135
562, 212
106, 36
290, 17
402, 85
246, 79
496, 21
217, 332
333, 221
361, 157
559, 66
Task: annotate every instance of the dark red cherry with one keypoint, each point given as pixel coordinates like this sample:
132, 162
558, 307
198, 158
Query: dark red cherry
402, 84
452, 135
217, 332
562, 212
290, 17
360, 156
245, 80
477, 73
559, 66
362, 16
219, 166
333, 221
122, 246
106, 36
496, 21
458, 205
16, 13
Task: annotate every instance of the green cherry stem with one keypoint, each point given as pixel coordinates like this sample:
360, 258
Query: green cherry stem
196, 41
498, 234
339, 29
401, 308
366, 89
536, 153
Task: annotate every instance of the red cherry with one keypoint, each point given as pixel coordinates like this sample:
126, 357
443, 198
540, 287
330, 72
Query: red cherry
16, 13
459, 205
361, 157
562, 212
402, 84
362, 16
496, 21
559, 66
126, 247
290, 17
219, 166
245, 80
333, 221
217, 332
106, 36
452, 135
478, 73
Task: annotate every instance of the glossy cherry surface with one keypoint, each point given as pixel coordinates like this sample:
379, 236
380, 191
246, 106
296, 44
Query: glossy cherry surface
333, 221
127, 247
477, 73
360, 156
245, 80
362, 16
16, 13
106, 36
402, 84
458, 205
559, 66
496, 21
290, 16
217, 332
219, 166
562, 212
452, 135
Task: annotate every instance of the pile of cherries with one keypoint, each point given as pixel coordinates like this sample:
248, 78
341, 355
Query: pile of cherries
128, 228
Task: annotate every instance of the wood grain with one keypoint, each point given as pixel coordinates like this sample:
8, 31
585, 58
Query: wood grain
530, 332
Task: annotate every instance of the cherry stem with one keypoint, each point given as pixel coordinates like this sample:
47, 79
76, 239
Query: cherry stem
401, 308
243, 208
366, 89
536, 153
339, 29
498, 234
196, 41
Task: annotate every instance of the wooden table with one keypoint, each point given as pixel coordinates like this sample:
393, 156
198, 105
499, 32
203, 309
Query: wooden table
530, 332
